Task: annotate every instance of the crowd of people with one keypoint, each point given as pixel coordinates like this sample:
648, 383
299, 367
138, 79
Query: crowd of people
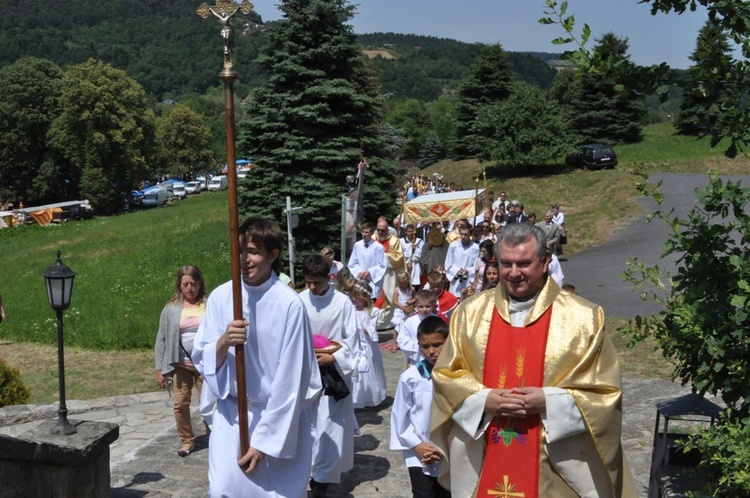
479, 406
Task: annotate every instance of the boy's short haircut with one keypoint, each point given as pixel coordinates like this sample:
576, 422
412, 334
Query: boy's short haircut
264, 233
367, 226
315, 265
435, 277
433, 325
424, 296
570, 288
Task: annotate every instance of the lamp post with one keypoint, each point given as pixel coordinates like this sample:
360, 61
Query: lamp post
59, 281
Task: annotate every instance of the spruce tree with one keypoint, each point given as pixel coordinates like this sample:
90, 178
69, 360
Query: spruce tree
312, 122
703, 97
488, 84
431, 152
599, 107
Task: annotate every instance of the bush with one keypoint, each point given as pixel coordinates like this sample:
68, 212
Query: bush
12, 389
726, 457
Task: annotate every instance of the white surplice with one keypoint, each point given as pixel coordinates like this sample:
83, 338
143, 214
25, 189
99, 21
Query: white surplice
368, 379
407, 339
282, 378
461, 256
410, 418
413, 255
332, 315
369, 256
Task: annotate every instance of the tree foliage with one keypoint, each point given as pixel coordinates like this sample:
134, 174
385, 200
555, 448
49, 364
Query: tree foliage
702, 103
185, 141
731, 16
599, 107
431, 152
310, 125
105, 132
413, 117
526, 129
705, 324
29, 102
162, 44
488, 84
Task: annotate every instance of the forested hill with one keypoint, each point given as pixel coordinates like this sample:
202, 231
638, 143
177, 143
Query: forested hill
172, 51
163, 44
423, 67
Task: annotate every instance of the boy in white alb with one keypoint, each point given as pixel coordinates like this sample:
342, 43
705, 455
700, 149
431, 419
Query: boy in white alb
410, 416
331, 315
280, 374
425, 304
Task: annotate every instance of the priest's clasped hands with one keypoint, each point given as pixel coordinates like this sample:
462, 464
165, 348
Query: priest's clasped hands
515, 403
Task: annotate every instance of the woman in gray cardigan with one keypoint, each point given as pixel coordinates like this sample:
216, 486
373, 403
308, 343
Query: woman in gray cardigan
174, 344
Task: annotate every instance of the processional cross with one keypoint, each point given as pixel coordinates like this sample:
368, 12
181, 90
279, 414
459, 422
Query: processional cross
224, 10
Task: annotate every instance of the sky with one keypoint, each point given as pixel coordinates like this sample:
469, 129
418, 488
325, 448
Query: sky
666, 38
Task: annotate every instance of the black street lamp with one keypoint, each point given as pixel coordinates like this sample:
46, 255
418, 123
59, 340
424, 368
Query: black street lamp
59, 280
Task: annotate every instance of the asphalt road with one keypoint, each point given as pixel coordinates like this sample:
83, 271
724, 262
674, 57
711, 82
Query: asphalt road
596, 271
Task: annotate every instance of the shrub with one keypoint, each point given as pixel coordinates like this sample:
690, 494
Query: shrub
12, 389
726, 457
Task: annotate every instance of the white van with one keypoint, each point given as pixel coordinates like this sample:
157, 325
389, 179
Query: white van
179, 191
154, 196
218, 183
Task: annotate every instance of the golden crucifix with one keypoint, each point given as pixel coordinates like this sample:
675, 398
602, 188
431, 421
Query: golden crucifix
224, 9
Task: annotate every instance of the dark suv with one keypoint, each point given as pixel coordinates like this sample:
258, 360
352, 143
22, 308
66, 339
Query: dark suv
594, 156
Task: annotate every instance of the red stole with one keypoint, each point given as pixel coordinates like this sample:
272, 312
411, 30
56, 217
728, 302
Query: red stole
514, 358
386, 243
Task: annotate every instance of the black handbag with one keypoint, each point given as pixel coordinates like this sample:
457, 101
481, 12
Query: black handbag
333, 384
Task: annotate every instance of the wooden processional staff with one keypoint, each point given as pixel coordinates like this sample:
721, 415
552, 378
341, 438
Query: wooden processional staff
224, 10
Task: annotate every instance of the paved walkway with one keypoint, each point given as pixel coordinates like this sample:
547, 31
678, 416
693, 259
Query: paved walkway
144, 459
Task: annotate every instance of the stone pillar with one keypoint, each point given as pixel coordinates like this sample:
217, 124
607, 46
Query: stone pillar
37, 463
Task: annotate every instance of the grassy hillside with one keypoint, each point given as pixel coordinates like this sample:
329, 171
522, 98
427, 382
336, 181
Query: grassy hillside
597, 202
126, 267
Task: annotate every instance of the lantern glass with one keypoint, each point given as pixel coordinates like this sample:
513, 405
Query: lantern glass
59, 281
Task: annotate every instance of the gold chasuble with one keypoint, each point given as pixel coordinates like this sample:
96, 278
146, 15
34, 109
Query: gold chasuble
515, 358
562, 345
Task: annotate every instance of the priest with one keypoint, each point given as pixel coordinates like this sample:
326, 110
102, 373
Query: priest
527, 392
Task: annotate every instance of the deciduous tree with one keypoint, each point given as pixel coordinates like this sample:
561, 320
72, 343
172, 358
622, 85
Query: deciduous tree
185, 141
526, 129
29, 102
105, 130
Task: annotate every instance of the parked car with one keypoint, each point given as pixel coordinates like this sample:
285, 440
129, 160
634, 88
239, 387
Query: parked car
193, 187
594, 156
218, 183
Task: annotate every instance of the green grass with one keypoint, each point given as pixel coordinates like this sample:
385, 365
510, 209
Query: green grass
126, 268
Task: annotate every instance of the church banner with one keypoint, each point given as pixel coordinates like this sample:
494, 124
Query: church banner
446, 206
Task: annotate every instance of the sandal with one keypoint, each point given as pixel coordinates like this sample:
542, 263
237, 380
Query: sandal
185, 450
